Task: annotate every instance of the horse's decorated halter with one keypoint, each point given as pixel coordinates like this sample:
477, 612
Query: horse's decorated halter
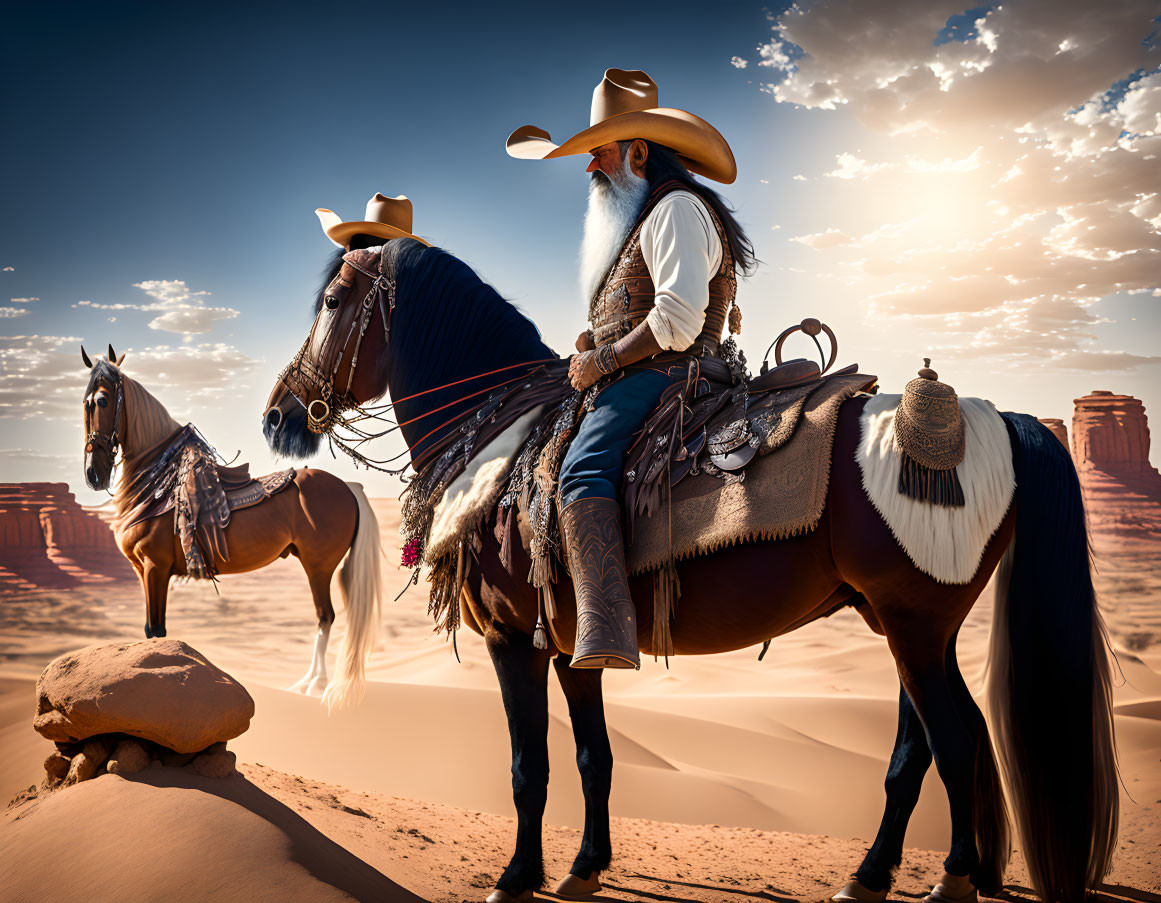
302, 374
97, 439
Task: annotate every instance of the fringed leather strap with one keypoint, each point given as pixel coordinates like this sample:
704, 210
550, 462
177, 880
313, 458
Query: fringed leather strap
939, 487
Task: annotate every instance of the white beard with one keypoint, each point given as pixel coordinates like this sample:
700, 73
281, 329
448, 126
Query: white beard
614, 206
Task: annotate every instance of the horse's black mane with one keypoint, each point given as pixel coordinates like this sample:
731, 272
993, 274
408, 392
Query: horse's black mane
448, 325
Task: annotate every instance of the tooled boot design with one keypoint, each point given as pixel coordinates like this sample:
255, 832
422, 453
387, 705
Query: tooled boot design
606, 621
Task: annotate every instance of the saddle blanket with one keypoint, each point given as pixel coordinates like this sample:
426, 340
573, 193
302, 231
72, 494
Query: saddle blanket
186, 478
782, 494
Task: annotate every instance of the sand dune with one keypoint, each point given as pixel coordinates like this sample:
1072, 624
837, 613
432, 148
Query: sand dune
171, 835
796, 743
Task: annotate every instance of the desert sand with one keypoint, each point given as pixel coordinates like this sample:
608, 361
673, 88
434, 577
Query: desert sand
735, 779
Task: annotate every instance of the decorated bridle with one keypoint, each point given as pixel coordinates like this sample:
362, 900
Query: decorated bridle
338, 409
108, 442
303, 375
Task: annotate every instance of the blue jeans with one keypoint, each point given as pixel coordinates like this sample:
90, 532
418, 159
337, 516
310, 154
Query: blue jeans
594, 462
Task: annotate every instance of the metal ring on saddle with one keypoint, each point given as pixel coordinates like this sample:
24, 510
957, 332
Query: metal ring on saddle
786, 375
811, 327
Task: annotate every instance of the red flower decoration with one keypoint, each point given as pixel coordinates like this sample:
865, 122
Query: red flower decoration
412, 553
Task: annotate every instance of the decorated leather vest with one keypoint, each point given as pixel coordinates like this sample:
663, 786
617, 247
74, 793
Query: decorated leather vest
626, 295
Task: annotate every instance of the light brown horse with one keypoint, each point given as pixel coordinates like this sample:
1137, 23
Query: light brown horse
319, 519
418, 322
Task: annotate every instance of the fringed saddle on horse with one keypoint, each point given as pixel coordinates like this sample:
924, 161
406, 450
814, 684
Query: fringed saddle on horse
187, 478
722, 459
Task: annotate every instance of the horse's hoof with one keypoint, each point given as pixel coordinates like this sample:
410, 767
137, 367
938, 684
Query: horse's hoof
856, 893
953, 889
573, 887
502, 896
299, 686
317, 687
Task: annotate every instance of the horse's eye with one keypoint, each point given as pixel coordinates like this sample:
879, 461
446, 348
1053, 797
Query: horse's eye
331, 302
101, 402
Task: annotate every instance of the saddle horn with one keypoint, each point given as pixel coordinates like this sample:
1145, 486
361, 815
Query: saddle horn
85, 358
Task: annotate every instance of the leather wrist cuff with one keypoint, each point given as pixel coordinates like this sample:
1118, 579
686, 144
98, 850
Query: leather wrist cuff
607, 359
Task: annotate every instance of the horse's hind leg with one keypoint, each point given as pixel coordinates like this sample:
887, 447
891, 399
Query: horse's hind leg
314, 682
523, 673
594, 759
910, 760
989, 811
922, 662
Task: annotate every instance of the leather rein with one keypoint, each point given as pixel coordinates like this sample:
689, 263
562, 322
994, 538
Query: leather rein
301, 374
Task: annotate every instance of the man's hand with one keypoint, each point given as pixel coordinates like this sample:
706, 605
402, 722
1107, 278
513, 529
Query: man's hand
582, 370
584, 341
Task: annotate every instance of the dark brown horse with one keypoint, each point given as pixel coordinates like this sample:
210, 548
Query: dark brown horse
319, 519
425, 334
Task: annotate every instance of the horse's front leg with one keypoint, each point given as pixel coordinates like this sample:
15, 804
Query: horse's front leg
594, 760
155, 580
523, 673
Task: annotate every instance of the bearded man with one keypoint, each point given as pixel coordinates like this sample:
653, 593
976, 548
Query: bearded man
659, 266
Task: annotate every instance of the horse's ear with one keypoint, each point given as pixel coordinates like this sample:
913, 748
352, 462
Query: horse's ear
112, 354
121, 359
85, 358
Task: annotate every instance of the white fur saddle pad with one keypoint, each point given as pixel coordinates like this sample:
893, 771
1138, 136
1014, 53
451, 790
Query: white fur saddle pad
945, 543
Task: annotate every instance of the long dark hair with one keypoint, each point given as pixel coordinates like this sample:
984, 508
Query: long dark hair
663, 165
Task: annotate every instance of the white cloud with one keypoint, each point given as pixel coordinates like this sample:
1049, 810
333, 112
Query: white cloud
43, 376
202, 373
10, 313
1019, 166
738, 63
182, 310
852, 167
831, 238
8, 270
22, 300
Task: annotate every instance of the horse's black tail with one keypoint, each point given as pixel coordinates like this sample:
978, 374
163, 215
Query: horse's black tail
1048, 681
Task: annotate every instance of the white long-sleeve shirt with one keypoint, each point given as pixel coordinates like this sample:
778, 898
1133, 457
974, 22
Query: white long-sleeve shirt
682, 252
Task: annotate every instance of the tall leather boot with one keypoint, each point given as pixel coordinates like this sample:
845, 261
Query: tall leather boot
606, 622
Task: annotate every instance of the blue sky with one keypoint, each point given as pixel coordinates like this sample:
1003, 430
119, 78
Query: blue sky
157, 144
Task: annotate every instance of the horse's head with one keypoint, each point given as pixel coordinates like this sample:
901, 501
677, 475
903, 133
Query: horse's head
104, 417
338, 366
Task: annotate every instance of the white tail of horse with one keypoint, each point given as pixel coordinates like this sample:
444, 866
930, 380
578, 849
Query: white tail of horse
361, 584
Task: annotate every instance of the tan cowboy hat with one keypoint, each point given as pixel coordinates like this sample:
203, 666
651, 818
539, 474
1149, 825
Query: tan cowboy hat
386, 218
624, 108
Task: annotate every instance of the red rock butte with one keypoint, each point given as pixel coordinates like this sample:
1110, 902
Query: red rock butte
1110, 445
48, 541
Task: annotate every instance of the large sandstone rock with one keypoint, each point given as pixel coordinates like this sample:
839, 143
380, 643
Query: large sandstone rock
1110, 432
1122, 490
160, 690
47, 540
